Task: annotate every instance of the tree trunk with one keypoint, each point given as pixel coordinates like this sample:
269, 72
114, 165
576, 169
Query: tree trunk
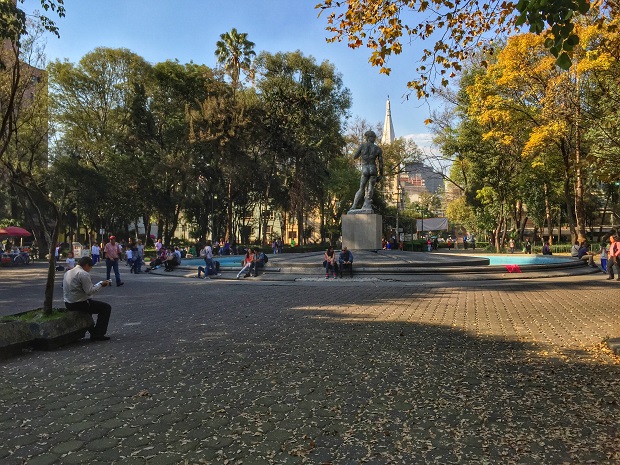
51, 272
600, 228
497, 233
229, 212
570, 216
580, 212
548, 215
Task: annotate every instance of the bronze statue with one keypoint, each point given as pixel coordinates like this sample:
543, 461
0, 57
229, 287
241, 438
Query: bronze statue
368, 152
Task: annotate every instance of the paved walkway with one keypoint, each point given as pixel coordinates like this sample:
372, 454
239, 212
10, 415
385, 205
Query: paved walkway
322, 372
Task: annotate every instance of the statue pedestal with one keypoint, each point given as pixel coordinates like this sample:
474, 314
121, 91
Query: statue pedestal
362, 231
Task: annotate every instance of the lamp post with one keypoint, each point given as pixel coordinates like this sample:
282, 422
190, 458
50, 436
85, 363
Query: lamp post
76, 157
213, 197
422, 225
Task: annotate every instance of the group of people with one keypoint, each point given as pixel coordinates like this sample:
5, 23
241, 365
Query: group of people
252, 262
344, 260
211, 265
581, 251
610, 256
278, 246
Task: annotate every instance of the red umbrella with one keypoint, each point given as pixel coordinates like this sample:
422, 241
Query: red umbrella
14, 231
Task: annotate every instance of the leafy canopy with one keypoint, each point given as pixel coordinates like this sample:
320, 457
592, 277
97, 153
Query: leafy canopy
457, 29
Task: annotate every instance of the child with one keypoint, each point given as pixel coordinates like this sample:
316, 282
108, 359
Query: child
70, 261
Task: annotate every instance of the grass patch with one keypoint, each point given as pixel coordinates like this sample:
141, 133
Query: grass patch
36, 315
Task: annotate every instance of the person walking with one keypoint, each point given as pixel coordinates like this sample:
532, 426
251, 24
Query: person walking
112, 256
95, 251
77, 292
614, 256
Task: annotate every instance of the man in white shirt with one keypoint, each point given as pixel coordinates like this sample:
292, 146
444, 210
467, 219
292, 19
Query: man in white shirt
95, 251
77, 292
207, 254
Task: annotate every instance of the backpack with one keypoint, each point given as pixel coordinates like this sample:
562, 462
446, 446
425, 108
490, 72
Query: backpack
266, 259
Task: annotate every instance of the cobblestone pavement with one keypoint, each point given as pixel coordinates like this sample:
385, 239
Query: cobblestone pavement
333, 372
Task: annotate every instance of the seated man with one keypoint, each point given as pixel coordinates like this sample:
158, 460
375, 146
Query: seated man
585, 254
77, 291
171, 260
574, 251
259, 262
345, 259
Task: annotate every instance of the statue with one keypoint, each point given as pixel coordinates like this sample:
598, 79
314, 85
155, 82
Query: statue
368, 152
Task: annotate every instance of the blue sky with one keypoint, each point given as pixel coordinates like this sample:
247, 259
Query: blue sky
187, 30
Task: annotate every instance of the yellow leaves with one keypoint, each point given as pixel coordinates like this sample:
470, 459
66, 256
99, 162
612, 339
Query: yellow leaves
462, 23
541, 137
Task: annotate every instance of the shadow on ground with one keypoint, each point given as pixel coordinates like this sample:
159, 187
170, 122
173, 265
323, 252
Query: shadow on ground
234, 373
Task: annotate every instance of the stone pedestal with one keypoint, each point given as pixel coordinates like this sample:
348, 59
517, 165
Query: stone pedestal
362, 231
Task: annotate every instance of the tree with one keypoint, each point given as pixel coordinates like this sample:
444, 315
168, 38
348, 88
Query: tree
23, 148
235, 53
460, 29
91, 105
307, 103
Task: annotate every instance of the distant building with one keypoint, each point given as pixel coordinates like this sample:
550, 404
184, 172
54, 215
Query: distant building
413, 179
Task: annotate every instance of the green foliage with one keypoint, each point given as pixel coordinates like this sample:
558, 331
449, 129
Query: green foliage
37, 315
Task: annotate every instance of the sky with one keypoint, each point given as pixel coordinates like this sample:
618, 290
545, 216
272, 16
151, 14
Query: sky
187, 30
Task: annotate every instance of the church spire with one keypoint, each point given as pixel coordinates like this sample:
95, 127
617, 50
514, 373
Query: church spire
388, 129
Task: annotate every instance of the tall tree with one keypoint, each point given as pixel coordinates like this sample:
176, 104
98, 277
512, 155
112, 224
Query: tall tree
91, 105
308, 103
235, 53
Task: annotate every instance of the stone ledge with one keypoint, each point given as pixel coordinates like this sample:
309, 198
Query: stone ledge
45, 335
614, 345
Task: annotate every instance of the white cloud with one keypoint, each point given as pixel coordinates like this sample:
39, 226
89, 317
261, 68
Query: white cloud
424, 140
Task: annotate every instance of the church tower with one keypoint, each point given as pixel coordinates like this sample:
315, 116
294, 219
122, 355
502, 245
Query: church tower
388, 128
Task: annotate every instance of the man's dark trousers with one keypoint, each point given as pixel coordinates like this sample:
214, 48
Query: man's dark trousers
94, 307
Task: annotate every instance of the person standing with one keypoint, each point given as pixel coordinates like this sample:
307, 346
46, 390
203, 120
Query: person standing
158, 246
139, 257
614, 256
207, 255
77, 292
95, 251
604, 254
112, 256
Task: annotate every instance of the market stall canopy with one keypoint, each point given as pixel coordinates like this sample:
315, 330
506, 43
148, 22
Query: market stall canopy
14, 231
432, 224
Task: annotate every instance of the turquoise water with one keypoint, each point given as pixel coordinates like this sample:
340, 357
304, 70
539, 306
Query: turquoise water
524, 259
227, 260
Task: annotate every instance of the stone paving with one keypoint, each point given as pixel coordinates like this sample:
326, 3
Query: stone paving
322, 372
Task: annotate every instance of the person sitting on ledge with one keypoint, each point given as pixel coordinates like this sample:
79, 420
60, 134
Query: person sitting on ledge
246, 263
329, 261
77, 291
345, 260
546, 250
258, 263
171, 260
585, 254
